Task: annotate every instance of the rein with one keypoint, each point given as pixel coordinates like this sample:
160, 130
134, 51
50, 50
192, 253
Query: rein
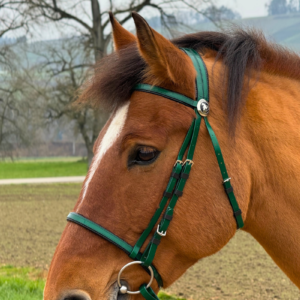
177, 181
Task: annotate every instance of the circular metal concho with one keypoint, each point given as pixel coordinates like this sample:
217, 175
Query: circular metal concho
203, 107
123, 288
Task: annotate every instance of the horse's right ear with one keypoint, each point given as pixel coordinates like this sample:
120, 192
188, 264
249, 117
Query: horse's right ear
166, 62
122, 37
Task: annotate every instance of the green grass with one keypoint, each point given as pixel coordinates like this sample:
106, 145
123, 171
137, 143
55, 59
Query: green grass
20, 283
32, 169
44, 159
28, 284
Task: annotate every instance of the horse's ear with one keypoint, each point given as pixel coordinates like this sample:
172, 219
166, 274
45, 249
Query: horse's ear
122, 37
167, 62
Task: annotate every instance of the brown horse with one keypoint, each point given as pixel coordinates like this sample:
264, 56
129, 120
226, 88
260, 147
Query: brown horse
255, 112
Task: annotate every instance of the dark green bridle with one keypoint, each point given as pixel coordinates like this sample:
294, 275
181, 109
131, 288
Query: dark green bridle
174, 190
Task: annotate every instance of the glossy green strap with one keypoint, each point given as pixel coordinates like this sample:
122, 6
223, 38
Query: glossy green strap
156, 90
151, 248
202, 77
150, 251
186, 141
148, 293
226, 180
177, 182
133, 254
190, 154
99, 230
109, 236
176, 169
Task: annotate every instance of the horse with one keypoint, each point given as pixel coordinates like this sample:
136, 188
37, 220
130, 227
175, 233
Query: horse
254, 109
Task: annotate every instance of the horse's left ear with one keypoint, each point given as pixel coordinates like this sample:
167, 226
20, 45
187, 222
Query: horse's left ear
122, 37
167, 63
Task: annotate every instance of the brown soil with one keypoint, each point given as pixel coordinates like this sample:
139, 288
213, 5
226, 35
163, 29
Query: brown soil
32, 218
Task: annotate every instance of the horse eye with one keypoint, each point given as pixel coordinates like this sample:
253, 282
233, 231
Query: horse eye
145, 155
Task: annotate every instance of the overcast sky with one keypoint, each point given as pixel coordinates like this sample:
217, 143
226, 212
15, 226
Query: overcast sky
247, 8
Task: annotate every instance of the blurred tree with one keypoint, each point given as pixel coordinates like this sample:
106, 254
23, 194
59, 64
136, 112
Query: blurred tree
216, 14
278, 7
62, 67
14, 114
88, 20
18, 118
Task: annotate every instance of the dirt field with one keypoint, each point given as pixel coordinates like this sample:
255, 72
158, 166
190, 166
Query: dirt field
33, 217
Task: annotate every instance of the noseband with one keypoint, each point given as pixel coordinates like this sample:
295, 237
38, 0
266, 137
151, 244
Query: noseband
174, 190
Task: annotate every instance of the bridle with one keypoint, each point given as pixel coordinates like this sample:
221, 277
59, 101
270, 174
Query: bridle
177, 181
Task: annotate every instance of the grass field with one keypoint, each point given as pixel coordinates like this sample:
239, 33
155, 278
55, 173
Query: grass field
32, 218
21, 283
28, 284
42, 168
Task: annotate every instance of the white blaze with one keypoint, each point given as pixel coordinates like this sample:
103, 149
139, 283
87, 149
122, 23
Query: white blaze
111, 135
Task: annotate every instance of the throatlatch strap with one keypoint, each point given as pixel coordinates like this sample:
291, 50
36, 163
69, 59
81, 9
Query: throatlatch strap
226, 180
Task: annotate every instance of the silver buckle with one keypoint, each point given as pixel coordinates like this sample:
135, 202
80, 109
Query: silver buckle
161, 233
226, 180
188, 161
178, 162
123, 288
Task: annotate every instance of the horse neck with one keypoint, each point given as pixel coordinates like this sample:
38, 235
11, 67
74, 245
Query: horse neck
271, 123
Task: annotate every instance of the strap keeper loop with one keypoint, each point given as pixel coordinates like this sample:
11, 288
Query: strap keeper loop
184, 176
229, 190
168, 217
237, 213
167, 194
175, 175
155, 241
178, 193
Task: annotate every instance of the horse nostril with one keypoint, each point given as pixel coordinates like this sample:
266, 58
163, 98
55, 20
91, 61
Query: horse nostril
122, 297
75, 295
115, 294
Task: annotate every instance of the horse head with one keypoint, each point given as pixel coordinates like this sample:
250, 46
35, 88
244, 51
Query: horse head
134, 158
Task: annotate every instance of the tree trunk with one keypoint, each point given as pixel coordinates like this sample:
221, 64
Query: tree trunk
100, 117
90, 155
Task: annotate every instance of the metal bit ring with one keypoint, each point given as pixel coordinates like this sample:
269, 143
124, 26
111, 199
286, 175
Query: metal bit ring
123, 288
